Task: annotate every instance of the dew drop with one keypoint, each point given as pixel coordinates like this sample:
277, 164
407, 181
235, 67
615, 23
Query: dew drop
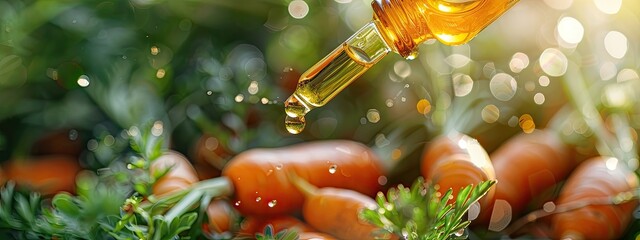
272, 203
279, 166
459, 233
258, 199
294, 125
209, 92
237, 203
333, 169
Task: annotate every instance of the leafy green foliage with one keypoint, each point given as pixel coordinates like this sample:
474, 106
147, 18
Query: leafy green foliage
27, 215
268, 234
420, 212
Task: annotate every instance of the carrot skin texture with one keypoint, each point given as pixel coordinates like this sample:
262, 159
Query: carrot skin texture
593, 179
455, 161
47, 175
527, 165
221, 216
336, 211
315, 236
252, 224
260, 177
181, 174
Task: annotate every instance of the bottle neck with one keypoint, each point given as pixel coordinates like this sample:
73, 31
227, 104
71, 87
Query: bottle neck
402, 24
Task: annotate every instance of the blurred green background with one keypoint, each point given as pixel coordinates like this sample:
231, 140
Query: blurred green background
224, 67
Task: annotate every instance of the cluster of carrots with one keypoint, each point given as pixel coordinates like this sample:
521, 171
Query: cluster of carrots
328, 183
50, 167
529, 168
320, 188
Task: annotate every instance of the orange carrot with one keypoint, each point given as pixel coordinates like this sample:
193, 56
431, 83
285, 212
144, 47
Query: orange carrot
260, 182
210, 156
315, 236
526, 166
252, 225
46, 174
336, 211
221, 217
181, 175
599, 177
455, 161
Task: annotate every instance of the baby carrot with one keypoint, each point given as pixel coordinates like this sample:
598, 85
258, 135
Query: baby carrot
260, 182
599, 177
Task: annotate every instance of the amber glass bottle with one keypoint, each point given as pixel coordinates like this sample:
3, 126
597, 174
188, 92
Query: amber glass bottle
398, 26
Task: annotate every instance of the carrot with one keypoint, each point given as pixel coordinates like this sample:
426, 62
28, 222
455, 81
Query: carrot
526, 166
262, 187
454, 161
47, 175
314, 236
252, 224
221, 218
599, 177
210, 156
60, 142
180, 175
336, 211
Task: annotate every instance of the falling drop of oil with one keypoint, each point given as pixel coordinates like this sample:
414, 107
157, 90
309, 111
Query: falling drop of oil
272, 203
294, 125
333, 169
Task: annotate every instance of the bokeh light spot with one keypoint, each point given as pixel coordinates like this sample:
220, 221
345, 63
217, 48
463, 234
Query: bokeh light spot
570, 30
423, 106
553, 62
616, 44
490, 113
462, 85
373, 115
519, 61
503, 86
402, 69
539, 98
83, 81
544, 81
526, 123
298, 9
627, 75
608, 71
608, 6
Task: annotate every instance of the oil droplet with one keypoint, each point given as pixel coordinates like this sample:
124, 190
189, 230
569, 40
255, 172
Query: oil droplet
272, 203
294, 108
237, 203
294, 125
258, 199
333, 168
279, 166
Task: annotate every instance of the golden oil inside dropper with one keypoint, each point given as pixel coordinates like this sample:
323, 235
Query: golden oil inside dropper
331, 75
398, 26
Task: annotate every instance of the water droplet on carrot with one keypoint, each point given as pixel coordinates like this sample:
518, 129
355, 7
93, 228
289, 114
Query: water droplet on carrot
333, 169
